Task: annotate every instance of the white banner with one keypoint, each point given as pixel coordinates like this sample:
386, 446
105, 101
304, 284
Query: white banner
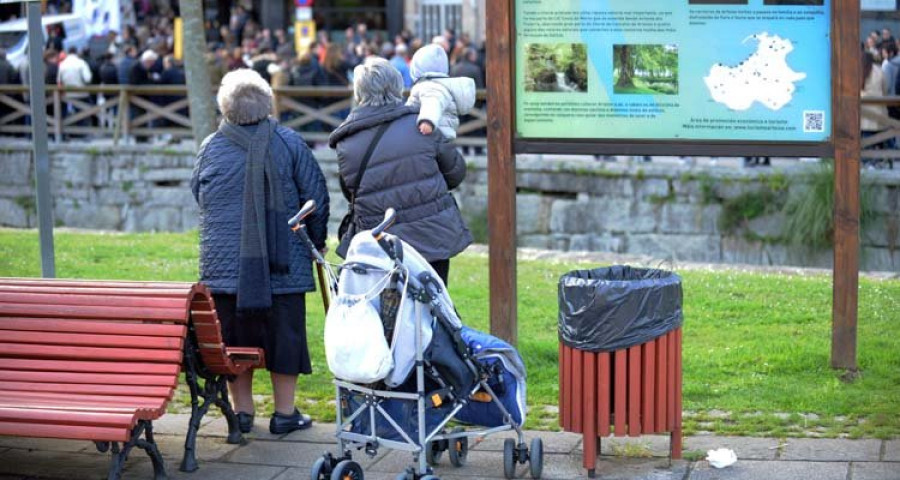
101, 15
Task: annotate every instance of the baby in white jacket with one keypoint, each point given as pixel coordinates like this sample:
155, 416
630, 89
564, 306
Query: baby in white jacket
441, 99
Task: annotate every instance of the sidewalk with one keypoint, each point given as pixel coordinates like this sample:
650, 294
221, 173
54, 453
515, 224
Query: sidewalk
289, 457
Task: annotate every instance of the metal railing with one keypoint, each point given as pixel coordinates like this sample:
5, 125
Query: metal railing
125, 111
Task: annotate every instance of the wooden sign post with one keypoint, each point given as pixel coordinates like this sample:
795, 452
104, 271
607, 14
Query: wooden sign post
596, 110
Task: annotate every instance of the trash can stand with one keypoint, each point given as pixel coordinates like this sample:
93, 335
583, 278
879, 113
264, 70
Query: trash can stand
620, 356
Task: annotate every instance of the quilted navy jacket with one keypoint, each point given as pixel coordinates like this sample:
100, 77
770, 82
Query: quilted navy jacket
218, 185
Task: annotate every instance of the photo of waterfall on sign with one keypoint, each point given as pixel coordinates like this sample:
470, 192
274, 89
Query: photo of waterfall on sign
645, 69
556, 67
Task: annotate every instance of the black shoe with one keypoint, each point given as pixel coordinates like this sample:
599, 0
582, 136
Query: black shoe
245, 422
281, 423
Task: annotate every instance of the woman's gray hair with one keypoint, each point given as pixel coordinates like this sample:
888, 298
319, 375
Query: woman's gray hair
244, 97
377, 83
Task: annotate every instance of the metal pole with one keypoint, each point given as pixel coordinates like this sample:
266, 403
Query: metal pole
39, 138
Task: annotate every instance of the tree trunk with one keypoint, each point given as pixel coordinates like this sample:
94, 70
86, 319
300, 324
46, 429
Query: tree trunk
200, 97
626, 70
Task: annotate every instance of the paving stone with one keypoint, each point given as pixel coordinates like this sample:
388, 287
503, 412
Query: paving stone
219, 428
318, 433
55, 464
304, 474
47, 444
830, 450
177, 424
657, 445
892, 451
755, 470
209, 470
208, 449
570, 466
478, 464
289, 454
875, 471
556, 442
746, 448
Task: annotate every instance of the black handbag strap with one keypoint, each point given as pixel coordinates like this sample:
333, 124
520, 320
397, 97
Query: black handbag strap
365, 161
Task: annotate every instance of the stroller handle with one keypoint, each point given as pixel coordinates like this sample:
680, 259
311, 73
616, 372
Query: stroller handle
390, 216
296, 221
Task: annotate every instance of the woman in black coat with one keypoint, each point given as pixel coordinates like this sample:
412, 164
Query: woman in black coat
407, 171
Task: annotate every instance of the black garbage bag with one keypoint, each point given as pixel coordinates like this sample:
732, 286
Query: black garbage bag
617, 307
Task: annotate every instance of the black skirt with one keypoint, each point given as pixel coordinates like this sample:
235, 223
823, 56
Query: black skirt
282, 333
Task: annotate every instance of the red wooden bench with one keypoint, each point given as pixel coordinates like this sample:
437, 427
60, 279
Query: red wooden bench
632, 391
91, 360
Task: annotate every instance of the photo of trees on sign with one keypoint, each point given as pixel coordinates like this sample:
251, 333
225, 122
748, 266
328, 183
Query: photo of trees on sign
645, 69
556, 67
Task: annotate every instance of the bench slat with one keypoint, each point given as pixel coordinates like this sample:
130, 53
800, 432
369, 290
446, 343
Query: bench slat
88, 389
62, 399
92, 290
89, 378
88, 326
92, 340
74, 283
89, 353
65, 431
67, 417
91, 312
56, 366
67, 298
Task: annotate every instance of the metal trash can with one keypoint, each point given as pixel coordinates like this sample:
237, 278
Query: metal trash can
620, 355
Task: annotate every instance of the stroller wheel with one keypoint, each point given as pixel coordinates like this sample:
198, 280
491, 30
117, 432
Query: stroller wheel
459, 448
321, 470
433, 453
536, 458
509, 458
347, 470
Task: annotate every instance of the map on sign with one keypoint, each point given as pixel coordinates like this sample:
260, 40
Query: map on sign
764, 77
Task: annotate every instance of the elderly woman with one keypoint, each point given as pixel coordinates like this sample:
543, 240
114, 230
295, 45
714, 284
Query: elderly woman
250, 176
407, 171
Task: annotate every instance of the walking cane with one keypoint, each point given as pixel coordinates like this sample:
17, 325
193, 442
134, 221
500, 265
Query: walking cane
299, 227
321, 273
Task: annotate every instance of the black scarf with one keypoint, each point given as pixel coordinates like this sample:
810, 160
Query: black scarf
264, 233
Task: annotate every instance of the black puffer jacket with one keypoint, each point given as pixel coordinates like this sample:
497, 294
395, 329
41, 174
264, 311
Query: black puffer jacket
218, 185
409, 172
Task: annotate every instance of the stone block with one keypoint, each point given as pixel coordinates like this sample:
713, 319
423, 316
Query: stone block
84, 215
112, 195
15, 169
569, 216
883, 231
124, 174
742, 251
767, 226
170, 196
883, 198
76, 170
190, 218
532, 214
687, 218
694, 248
609, 243
880, 260
181, 175
749, 470
625, 216
13, 214
580, 242
652, 188
156, 219
535, 241
831, 450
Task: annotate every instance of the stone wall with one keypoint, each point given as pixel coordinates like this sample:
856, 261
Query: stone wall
665, 211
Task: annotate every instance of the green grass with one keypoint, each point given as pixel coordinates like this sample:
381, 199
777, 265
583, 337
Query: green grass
756, 346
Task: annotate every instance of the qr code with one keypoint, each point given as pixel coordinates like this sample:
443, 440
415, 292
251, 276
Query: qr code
813, 121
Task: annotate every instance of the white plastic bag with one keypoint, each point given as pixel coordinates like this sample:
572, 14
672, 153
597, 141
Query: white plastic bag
355, 347
721, 458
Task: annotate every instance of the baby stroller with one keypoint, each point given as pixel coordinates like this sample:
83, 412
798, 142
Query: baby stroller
402, 386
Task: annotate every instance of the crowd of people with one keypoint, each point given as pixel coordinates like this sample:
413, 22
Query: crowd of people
880, 69
143, 54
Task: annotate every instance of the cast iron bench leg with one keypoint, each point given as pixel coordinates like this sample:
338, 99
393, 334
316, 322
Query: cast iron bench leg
148, 444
